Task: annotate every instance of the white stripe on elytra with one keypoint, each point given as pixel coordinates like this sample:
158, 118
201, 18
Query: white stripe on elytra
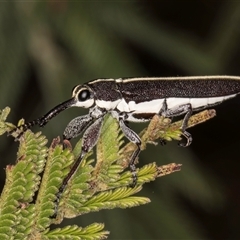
133, 79
217, 77
155, 106
196, 102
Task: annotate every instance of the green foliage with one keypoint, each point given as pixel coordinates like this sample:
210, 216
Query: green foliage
28, 200
93, 231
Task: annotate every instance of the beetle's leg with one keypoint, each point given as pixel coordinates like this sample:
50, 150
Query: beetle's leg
90, 138
134, 138
177, 111
77, 126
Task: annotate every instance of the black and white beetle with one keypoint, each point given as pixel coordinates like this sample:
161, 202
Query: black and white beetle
137, 100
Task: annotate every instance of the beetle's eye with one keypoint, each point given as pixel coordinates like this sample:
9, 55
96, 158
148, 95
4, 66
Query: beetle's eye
84, 95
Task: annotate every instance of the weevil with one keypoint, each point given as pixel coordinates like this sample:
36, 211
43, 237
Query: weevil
137, 100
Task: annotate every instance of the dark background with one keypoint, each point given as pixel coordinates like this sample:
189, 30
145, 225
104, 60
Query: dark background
46, 48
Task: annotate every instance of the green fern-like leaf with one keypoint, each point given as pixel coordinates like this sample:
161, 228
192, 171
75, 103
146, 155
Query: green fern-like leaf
16, 211
91, 232
121, 197
28, 200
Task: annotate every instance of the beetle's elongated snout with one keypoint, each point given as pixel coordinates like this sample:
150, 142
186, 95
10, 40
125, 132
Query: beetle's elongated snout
49, 115
81, 97
56, 110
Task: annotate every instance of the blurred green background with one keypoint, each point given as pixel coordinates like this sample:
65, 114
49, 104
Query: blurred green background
46, 48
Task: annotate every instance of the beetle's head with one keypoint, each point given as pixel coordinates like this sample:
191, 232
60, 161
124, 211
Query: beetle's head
82, 96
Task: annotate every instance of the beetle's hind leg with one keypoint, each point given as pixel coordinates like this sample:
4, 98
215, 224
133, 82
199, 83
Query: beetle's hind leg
178, 111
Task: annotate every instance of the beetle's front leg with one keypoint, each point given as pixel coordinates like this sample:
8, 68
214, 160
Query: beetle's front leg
90, 138
77, 126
